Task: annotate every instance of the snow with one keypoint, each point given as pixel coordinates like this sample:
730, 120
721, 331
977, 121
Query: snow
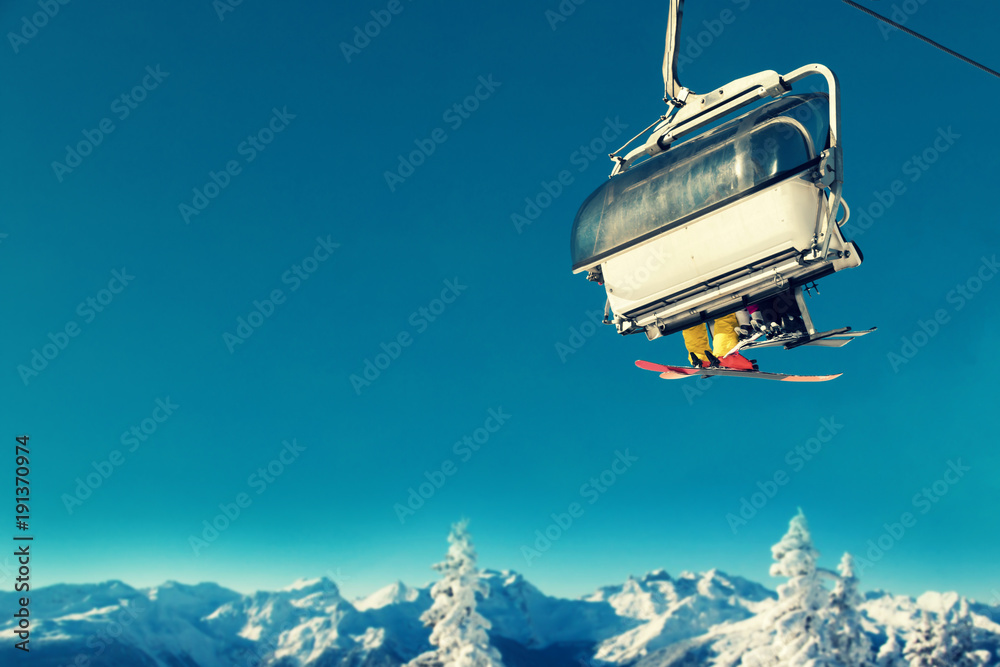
797, 633
459, 630
676, 610
653, 620
938, 602
392, 594
519, 611
102, 611
850, 644
303, 584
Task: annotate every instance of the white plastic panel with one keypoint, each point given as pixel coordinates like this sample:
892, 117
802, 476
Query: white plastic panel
759, 226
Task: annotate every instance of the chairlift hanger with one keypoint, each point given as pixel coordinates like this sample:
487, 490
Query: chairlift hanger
665, 233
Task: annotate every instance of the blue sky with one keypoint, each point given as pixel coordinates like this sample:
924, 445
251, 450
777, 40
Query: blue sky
280, 139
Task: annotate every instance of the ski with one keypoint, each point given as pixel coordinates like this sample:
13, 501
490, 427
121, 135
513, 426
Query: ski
677, 372
832, 338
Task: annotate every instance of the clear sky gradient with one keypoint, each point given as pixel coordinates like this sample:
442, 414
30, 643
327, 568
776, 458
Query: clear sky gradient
217, 252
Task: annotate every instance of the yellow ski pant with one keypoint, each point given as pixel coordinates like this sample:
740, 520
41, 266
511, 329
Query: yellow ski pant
725, 339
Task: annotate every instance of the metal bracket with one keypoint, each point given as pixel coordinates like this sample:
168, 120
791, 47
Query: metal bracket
804, 309
681, 98
778, 89
829, 167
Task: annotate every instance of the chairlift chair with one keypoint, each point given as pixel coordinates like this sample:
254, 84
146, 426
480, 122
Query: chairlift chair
705, 218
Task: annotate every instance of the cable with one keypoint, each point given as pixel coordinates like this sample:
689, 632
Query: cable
921, 37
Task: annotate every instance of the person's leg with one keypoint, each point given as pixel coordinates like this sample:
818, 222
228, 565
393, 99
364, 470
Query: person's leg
696, 340
791, 317
745, 329
725, 338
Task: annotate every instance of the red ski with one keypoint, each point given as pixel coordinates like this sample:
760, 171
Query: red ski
675, 372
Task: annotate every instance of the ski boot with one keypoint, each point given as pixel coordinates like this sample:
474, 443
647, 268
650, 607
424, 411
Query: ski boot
769, 329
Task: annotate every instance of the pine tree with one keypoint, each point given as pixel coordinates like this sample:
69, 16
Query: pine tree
851, 646
799, 617
890, 654
923, 646
959, 643
946, 643
459, 630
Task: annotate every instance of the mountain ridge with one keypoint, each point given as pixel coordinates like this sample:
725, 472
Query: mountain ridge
653, 620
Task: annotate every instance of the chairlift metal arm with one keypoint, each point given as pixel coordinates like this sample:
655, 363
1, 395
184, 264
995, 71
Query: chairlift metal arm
700, 110
672, 88
692, 111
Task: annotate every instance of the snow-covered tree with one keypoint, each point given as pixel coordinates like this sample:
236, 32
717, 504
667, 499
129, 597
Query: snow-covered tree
459, 630
947, 642
890, 654
959, 640
801, 636
851, 645
924, 646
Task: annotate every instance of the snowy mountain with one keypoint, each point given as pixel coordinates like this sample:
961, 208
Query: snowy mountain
303, 620
674, 610
651, 621
115, 624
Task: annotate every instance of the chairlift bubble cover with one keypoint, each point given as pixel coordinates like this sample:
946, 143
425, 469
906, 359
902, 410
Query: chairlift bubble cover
713, 170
